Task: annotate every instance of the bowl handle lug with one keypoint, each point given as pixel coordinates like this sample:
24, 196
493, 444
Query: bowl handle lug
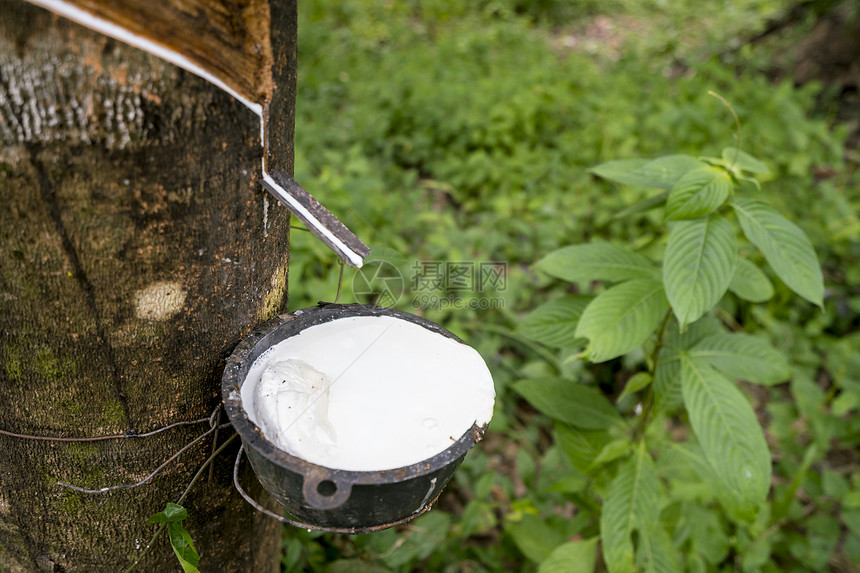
324, 491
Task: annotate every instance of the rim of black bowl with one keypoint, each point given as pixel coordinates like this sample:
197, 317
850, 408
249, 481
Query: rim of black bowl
290, 324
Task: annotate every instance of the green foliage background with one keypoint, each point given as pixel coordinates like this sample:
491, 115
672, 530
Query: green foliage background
465, 131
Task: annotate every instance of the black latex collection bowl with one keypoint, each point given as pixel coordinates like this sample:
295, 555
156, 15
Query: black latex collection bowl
325, 498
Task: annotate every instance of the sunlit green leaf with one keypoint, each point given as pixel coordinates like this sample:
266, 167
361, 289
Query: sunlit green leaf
750, 283
728, 431
554, 323
698, 193
742, 356
698, 266
622, 318
570, 402
596, 261
785, 246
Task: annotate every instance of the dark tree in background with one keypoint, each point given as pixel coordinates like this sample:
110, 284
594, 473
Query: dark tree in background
136, 249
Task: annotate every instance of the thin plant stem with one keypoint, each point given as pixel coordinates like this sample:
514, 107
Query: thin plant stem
648, 406
731, 109
339, 282
214, 441
180, 500
729, 320
206, 463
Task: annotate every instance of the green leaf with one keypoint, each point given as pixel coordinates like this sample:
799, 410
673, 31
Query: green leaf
354, 566
571, 483
180, 540
744, 161
742, 356
655, 553
626, 171
728, 431
183, 547
698, 193
596, 261
704, 527
660, 173
580, 446
750, 283
782, 505
785, 246
570, 402
667, 376
554, 323
612, 451
622, 318
643, 205
635, 383
420, 540
693, 455
571, 557
172, 513
534, 537
852, 521
698, 266
632, 502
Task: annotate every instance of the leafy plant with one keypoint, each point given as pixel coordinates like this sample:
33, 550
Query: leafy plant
180, 540
465, 132
712, 213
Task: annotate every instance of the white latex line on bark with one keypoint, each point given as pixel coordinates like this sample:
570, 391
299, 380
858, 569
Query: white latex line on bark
86, 19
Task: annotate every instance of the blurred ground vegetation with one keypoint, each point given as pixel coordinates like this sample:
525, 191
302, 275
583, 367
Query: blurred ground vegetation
463, 131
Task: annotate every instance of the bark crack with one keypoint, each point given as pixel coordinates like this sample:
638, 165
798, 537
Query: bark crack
49, 196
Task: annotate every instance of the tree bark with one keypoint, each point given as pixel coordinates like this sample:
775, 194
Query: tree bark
136, 249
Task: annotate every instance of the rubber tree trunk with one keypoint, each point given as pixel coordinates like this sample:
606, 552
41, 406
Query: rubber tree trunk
136, 249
